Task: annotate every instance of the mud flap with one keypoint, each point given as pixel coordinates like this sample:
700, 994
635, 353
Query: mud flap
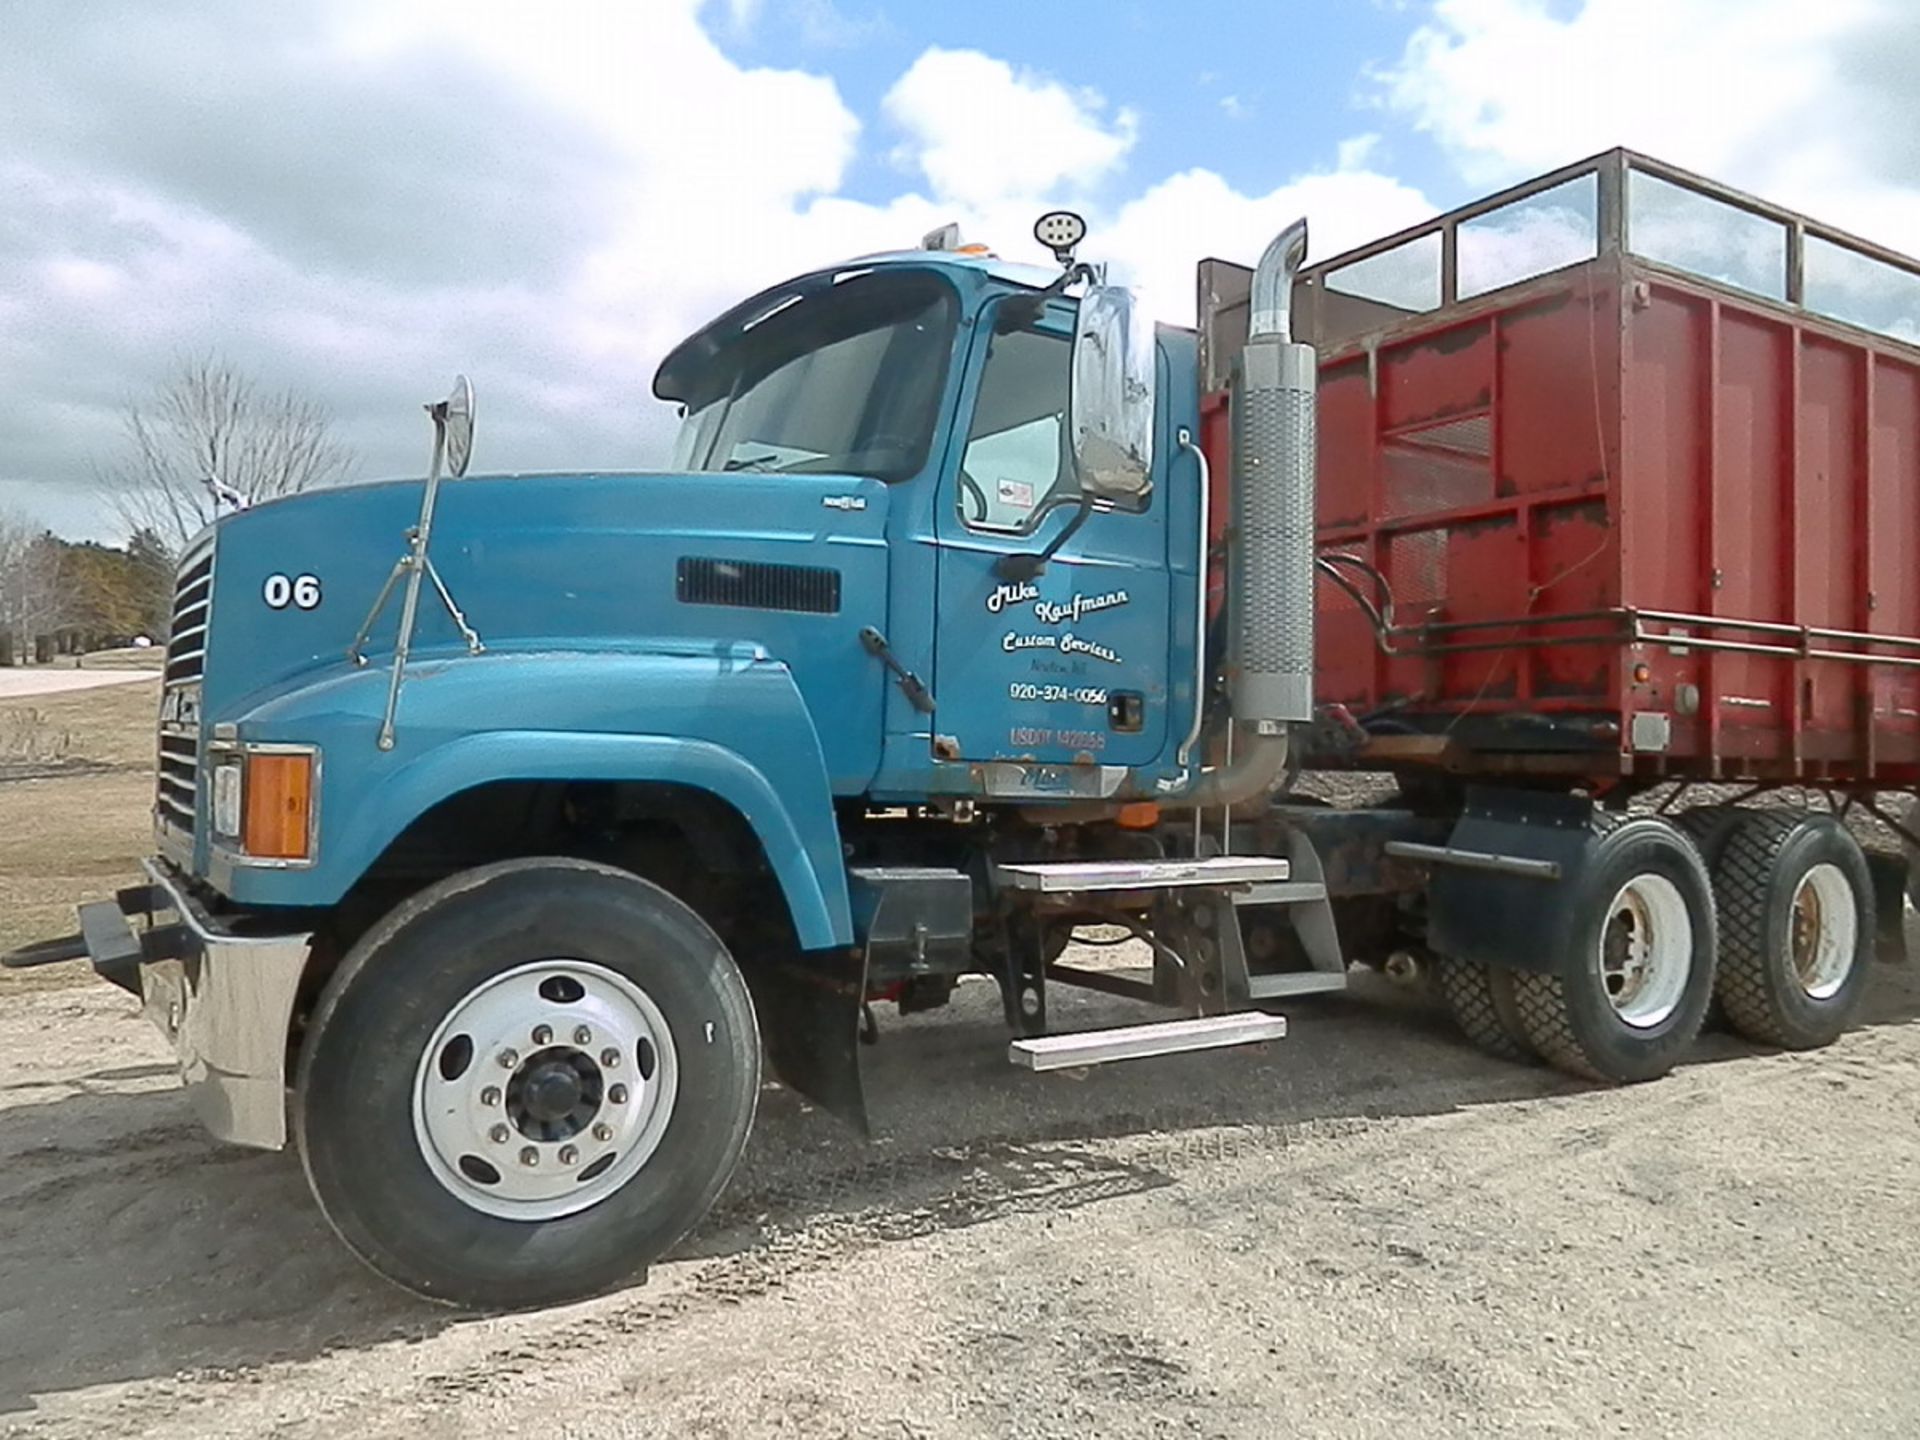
1516, 921
811, 1010
1890, 882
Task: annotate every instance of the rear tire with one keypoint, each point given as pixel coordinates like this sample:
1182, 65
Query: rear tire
1481, 1000
1628, 998
1709, 827
526, 1083
1796, 928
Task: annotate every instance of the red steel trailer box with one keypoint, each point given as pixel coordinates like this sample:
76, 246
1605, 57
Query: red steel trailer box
1619, 478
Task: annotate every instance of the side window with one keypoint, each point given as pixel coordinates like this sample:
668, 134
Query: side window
1016, 457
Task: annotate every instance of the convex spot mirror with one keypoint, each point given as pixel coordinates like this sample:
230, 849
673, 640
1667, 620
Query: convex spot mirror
1110, 404
455, 417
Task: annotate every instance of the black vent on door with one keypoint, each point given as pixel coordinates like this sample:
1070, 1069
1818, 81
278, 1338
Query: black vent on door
754, 585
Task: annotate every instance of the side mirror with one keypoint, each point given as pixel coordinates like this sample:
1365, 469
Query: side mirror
1110, 404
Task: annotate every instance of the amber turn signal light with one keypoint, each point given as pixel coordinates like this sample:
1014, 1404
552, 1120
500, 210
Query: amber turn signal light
279, 806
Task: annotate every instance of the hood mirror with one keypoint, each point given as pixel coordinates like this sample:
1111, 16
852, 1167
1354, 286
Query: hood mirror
453, 422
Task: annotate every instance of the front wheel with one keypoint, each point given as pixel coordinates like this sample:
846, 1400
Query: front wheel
526, 1083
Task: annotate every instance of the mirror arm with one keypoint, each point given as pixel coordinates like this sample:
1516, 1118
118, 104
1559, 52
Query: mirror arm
1019, 311
1026, 566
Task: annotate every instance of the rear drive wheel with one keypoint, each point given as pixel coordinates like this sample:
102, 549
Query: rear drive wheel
1628, 998
1796, 928
1709, 827
1481, 1000
526, 1083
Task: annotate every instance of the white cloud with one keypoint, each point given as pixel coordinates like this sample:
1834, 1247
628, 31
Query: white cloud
366, 198
979, 131
1161, 235
1809, 105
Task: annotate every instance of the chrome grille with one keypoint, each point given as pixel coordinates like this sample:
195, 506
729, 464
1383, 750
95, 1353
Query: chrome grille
178, 782
179, 771
187, 636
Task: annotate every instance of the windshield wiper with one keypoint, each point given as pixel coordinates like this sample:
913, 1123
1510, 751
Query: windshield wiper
752, 462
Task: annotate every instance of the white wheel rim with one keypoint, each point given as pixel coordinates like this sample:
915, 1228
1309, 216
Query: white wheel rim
1646, 950
1823, 931
545, 1090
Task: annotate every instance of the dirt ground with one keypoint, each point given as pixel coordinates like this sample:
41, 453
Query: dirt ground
1366, 1229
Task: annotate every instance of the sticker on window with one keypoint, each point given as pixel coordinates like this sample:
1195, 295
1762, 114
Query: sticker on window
1017, 493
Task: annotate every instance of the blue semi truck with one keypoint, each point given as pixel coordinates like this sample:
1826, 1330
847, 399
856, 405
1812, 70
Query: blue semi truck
506, 825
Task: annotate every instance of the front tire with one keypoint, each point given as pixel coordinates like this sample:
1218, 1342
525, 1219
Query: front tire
526, 1083
1628, 999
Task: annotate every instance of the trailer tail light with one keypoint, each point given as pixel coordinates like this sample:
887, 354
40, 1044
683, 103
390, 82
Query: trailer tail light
279, 806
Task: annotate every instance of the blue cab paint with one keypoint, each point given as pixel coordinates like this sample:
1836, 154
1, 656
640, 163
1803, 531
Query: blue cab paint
598, 667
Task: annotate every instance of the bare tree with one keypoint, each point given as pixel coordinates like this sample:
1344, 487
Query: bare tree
30, 600
209, 421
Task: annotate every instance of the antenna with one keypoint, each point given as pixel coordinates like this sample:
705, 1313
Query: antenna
452, 445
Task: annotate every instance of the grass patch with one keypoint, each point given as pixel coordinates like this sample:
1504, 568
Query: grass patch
132, 657
74, 836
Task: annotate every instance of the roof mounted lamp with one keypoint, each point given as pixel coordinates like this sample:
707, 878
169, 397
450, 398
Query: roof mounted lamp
1061, 231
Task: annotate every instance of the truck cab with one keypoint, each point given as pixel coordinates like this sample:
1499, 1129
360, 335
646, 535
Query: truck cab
487, 892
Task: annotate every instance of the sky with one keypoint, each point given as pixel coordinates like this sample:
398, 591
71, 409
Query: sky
358, 198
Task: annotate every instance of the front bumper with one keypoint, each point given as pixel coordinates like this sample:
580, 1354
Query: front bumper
223, 998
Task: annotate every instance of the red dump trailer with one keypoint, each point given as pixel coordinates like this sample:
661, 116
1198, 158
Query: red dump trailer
1619, 486
1632, 462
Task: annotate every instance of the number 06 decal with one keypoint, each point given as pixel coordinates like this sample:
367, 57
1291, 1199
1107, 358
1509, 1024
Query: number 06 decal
281, 591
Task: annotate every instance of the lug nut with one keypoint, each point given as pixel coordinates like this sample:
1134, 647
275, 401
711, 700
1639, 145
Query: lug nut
543, 1034
509, 1059
603, 1132
490, 1095
568, 1155
499, 1135
529, 1157
583, 1036
616, 1094
610, 1058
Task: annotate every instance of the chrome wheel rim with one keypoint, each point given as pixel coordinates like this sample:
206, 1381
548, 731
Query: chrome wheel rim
1646, 950
544, 1090
1824, 931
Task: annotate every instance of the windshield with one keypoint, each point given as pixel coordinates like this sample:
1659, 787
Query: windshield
841, 375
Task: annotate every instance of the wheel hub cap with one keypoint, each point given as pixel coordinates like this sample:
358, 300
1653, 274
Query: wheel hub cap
545, 1089
1824, 931
554, 1095
1646, 950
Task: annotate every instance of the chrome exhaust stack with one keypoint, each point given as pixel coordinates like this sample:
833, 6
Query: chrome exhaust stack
1275, 381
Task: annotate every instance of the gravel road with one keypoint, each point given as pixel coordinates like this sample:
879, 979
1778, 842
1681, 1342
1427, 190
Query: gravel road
1364, 1230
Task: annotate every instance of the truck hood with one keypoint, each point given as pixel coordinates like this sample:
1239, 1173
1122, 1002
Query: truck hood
542, 562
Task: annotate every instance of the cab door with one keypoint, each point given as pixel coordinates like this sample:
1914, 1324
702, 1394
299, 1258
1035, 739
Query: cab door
1069, 666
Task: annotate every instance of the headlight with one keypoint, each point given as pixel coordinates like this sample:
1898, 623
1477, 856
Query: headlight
226, 799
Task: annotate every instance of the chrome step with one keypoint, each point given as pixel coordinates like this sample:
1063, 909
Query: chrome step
1076, 876
1140, 1042
1295, 982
